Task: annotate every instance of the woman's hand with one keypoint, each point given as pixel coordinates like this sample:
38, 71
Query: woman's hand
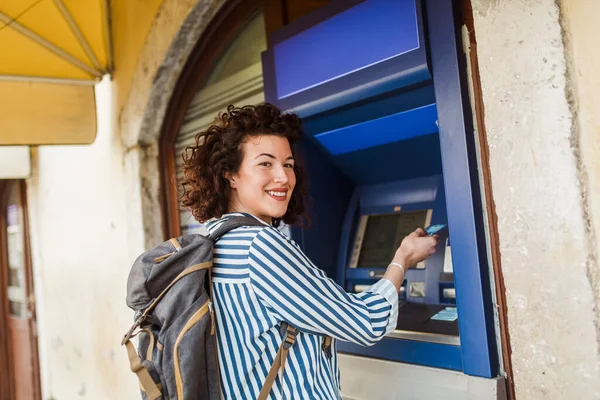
415, 248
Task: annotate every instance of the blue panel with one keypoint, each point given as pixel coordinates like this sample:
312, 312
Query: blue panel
435, 264
381, 198
351, 216
382, 106
432, 354
400, 126
408, 159
341, 87
330, 192
463, 200
368, 33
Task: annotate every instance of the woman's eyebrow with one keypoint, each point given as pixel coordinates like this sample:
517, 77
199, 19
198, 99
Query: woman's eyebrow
272, 156
265, 154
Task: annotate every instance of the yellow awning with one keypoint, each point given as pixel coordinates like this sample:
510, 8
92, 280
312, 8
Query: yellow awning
52, 52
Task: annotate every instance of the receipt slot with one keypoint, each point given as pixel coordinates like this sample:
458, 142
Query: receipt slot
388, 150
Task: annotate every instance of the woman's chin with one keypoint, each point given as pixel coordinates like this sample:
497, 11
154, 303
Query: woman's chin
277, 214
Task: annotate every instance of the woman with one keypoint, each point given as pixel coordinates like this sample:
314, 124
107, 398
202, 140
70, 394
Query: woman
246, 164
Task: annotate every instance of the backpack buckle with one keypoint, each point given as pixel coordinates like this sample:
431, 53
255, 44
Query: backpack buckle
327, 350
135, 325
290, 337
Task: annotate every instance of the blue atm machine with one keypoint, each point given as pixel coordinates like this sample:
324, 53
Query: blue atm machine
380, 87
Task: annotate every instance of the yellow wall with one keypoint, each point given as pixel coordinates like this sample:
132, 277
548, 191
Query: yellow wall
539, 198
132, 20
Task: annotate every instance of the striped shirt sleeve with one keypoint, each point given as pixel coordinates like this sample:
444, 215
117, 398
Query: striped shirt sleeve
298, 292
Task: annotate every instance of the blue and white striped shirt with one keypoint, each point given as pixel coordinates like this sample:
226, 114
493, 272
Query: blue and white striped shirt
260, 278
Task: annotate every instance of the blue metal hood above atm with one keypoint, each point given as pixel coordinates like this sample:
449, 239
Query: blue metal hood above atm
358, 75
389, 129
391, 137
345, 52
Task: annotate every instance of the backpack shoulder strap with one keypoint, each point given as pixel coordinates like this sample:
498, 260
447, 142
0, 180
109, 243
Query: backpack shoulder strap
146, 382
231, 224
279, 361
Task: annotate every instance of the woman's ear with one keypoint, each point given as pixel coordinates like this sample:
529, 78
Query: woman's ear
230, 178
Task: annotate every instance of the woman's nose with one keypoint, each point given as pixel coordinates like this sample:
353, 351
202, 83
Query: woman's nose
280, 175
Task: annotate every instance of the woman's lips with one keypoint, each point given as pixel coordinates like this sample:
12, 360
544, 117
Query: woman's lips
277, 194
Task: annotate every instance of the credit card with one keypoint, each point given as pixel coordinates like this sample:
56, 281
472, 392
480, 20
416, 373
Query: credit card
437, 229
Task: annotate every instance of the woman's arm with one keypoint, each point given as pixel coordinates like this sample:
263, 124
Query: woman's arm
297, 292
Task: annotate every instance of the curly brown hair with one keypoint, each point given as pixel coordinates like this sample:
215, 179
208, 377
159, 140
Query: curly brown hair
218, 150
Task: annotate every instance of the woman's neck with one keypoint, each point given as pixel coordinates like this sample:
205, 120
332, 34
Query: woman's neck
236, 207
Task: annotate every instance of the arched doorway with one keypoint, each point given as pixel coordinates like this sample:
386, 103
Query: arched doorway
224, 69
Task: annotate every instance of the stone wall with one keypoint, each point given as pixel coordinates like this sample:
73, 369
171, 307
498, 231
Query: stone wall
544, 243
580, 34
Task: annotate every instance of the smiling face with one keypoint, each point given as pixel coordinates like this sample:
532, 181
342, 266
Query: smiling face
264, 183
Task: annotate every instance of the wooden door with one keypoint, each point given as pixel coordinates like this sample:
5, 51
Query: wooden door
19, 331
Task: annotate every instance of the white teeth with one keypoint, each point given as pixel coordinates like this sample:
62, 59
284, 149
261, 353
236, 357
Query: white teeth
278, 194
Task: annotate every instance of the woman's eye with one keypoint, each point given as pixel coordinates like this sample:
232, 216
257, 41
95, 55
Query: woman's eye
290, 166
265, 164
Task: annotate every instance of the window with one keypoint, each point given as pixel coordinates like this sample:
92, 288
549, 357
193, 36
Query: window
16, 290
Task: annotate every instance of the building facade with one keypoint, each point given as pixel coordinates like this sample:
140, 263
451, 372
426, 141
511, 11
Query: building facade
87, 211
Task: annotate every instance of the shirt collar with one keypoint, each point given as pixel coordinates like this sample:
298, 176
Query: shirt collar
212, 226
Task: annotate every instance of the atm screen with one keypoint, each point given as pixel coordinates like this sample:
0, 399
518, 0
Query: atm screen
379, 236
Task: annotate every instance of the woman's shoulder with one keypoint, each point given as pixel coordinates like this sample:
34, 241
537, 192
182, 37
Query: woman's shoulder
264, 233
274, 237
275, 249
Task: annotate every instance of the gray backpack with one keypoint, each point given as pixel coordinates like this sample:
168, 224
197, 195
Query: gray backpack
170, 289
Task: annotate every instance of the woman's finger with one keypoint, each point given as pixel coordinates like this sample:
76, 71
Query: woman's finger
420, 232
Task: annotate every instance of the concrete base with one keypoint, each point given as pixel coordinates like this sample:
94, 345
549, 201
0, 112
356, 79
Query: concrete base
371, 379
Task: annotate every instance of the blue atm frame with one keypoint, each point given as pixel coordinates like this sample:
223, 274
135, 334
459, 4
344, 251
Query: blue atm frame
435, 70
